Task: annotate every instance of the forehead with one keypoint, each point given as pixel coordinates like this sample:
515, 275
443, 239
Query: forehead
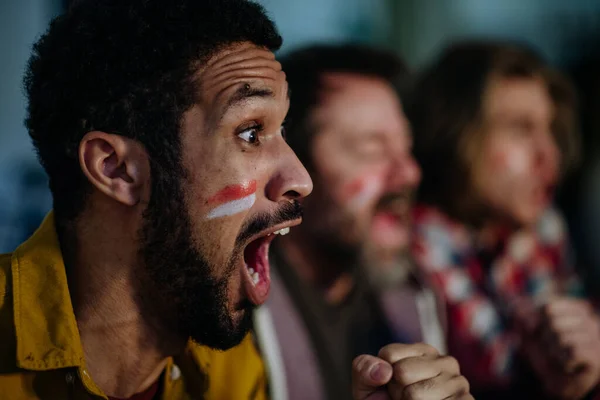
508, 96
239, 73
355, 104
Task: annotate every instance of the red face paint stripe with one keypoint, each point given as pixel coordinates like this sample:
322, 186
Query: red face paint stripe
233, 192
354, 187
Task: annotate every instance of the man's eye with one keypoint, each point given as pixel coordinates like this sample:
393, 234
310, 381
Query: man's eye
250, 135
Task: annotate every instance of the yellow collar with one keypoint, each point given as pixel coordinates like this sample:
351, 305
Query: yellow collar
46, 329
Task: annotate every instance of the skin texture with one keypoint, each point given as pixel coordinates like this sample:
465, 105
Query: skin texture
517, 167
364, 176
154, 269
408, 372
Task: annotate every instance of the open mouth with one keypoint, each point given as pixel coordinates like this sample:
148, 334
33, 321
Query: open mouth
391, 223
257, 277
543, 195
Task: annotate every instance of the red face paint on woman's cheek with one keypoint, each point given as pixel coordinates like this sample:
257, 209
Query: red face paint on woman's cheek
517, 161
513, 162
232, 199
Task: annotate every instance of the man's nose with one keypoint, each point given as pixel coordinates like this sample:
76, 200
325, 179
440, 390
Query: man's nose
403, 172
291, 180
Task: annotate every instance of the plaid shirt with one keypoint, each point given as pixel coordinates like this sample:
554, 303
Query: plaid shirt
481, 292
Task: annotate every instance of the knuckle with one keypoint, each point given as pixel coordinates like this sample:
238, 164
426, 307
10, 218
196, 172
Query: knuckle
451, 364
427, 349
585, 306
386, 352
465, 386
415, 391
402, 372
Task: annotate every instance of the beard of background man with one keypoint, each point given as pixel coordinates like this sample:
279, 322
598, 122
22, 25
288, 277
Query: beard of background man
342, 237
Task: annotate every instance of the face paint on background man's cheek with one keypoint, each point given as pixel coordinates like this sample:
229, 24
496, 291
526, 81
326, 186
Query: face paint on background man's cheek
232, 200
362, 190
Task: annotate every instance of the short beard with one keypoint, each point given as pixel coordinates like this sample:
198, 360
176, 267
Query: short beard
178, 291
383, 275
342, 241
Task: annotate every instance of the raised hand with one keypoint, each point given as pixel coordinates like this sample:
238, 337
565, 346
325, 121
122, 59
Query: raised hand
408, 372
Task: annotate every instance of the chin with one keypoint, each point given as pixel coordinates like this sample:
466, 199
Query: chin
238, 317
225, 336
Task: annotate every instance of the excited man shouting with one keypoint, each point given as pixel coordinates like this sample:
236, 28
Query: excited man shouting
160, 127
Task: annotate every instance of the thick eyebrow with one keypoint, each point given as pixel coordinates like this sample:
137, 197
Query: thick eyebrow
246, 92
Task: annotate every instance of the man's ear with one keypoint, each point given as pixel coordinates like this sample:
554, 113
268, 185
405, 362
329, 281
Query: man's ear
115, 165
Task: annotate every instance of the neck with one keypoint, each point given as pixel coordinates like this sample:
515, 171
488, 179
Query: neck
316, 267
494, 232
125, 354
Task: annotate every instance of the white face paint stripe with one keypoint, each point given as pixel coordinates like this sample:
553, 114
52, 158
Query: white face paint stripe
368, 192
232, 207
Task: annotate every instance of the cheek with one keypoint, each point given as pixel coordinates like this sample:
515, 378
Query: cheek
232, 200
504, 179
361, 191
217, 221
517, 162
509, 163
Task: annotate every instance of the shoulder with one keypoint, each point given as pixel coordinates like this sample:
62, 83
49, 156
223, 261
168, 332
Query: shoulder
238, 373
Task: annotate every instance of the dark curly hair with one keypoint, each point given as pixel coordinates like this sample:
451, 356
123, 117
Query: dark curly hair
127, 67
304, 69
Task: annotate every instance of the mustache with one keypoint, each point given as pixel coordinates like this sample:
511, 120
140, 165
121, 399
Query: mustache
287, 211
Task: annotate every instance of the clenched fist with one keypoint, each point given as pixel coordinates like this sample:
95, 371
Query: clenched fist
408, 372
563, 347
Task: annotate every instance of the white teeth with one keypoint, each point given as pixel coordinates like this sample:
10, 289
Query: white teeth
253, 274
282, 231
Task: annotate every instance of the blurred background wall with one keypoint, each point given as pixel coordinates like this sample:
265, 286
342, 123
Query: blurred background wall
566, 32
23, 194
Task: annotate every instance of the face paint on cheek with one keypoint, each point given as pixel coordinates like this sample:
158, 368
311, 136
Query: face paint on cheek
232, 200
362, 190
516, 161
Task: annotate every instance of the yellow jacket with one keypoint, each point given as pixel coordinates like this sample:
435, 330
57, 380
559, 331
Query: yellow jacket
41, 355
